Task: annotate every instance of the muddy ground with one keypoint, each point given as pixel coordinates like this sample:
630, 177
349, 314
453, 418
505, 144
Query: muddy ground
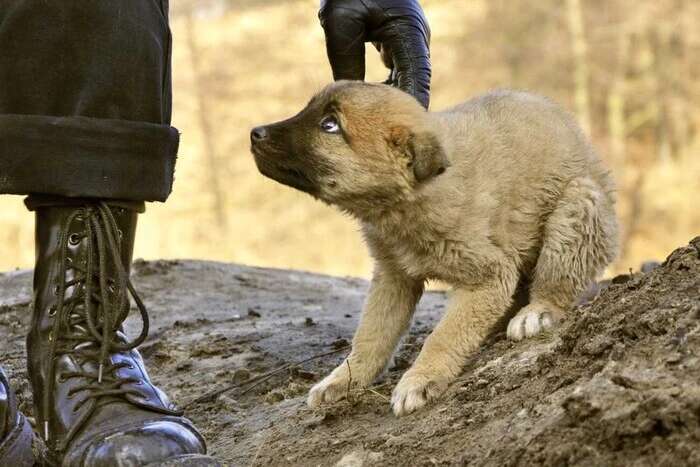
618, 384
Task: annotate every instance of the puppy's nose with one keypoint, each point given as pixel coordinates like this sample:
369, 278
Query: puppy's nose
259, 133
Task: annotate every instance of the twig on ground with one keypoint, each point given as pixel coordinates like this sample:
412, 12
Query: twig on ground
260, 379
377, 393
347, 389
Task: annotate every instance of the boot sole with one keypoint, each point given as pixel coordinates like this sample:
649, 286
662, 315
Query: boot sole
188, 460
16, 450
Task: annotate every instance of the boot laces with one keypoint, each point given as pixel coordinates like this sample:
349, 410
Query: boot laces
91, 332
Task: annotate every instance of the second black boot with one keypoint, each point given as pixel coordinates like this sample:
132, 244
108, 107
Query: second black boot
94, 402
15, 433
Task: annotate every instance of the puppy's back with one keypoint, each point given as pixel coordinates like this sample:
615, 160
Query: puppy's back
516, 138
513, 154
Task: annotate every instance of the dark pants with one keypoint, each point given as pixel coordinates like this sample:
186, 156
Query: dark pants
85, 99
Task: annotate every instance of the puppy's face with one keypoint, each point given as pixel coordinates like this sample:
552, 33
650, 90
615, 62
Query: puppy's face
354, 144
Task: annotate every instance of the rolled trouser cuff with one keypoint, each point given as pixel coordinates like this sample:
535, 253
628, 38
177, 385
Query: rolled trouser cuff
87, 157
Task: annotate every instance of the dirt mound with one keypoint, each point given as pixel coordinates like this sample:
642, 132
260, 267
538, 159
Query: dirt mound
617, 384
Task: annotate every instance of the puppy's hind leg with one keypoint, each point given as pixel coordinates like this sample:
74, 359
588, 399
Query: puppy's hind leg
472, 313
580, 239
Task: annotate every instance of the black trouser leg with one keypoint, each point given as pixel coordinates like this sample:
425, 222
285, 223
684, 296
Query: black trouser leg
85, 130
85, 99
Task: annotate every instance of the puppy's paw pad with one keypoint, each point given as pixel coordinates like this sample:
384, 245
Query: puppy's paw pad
529, 322
415, 391
332, 388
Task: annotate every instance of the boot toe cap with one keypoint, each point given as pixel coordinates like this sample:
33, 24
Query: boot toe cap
150, 443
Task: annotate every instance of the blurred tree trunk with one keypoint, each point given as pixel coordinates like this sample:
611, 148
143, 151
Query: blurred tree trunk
617, 132
616, 103
581, 73
204, 113
661, 65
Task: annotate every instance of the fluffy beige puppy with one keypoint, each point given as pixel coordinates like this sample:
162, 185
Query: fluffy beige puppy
502, 189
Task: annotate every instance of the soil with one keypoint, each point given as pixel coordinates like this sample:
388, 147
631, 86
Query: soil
617, 384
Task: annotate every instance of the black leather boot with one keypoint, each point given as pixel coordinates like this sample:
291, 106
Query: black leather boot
15, 433
94, 402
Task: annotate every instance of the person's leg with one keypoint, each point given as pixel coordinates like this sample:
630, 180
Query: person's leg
85, 131
85, 99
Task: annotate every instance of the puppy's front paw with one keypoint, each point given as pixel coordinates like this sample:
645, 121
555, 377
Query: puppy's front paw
415, 390
331, 388
532, 320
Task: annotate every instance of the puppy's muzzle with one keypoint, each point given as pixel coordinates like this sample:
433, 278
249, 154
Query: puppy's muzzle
259, 134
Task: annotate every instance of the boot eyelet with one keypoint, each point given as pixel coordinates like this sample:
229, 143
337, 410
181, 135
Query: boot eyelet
56, 289
130, 366
61, 379
74, 239
52, 310
50, 336
69, 260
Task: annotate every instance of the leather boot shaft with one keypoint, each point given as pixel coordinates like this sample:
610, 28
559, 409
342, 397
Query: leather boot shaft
62, 257
94, 401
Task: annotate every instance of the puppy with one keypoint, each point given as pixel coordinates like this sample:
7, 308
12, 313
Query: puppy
502, 188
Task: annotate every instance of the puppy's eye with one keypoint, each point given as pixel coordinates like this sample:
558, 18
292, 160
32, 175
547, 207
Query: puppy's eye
330, 124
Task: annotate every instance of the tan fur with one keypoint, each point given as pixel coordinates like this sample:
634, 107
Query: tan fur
501, 188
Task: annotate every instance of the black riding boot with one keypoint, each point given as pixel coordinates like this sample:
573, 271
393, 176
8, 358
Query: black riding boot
15, 433
94, 402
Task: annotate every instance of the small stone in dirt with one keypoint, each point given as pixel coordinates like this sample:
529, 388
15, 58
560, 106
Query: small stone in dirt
393, 441
360, 459
184, 366
253, 314
230, 404
160, 355
481, 382
339, 343
314, 421
309, 322
241, 375
347, 315
304, 374
621, 279
274, 397
674, 357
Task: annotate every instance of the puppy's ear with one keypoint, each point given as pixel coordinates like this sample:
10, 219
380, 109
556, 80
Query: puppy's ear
429, 158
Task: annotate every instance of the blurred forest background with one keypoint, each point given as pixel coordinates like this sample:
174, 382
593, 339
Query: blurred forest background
628, 68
